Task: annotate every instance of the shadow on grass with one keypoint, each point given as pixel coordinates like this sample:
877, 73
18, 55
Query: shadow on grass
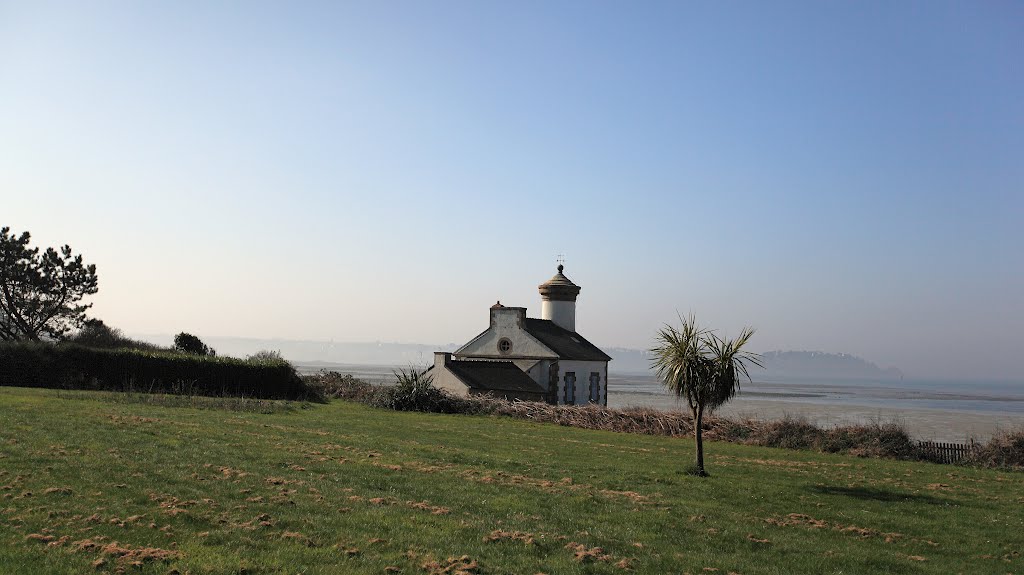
872, 494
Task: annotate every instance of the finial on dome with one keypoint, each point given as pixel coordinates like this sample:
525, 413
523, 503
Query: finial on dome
559, 287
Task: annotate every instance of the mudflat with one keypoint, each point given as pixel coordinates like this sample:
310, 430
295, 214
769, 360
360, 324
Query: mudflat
924, 424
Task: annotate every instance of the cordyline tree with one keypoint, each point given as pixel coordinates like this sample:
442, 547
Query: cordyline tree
41, 293
702, 368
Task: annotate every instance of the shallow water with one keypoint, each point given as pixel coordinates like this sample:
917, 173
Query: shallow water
939, 411
999, 398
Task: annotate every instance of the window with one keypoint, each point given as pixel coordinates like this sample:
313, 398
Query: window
595, 387
504, 346
570, 387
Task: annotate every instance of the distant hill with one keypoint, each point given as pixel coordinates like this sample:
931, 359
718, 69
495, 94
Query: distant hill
814, 364
777, 365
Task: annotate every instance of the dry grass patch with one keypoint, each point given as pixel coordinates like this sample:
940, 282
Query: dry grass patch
58, 491
463, 565
299, 538
499, 535
432, 509
807, 520
583, 554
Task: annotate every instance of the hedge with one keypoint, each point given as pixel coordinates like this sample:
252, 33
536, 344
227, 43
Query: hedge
70, 366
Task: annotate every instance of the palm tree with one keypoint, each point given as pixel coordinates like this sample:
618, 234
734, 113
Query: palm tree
697, 365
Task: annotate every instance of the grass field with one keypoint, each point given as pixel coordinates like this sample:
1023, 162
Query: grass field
92, 485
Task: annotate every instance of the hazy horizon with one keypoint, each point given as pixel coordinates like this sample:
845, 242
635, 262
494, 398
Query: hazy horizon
624, 360
842, 177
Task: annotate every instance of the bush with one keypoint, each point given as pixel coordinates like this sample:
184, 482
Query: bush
415, 392
190, 344
70, 366
1005, 450
264, 355
789, 433
411, 392
874, 440
333, 385
97, 334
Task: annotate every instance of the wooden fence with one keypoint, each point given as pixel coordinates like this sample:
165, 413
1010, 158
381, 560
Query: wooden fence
945, 452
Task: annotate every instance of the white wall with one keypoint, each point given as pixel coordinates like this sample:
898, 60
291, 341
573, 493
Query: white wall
505, 323
563, 313
446, 380
583, 369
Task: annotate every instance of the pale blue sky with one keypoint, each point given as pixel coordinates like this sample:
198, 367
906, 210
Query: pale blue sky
845, 177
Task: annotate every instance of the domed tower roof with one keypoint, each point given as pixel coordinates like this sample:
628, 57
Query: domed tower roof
559, 287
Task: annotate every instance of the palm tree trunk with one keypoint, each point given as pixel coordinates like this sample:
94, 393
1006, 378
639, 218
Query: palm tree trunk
698, 435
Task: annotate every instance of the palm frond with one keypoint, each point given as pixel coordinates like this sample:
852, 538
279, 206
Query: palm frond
695, 363
678, 358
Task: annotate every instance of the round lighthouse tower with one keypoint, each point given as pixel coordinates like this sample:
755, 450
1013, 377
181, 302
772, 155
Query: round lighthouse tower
558, 304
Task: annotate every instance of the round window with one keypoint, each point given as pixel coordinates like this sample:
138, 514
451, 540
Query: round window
504, 345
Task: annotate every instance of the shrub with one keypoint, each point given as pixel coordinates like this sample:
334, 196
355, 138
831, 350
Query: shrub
414, 391
788, 432
97, 334
410, 392
334, 385
1005, 450
264, 355
71, 366
190, 344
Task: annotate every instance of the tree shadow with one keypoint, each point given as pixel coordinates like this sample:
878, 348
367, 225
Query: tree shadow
873, 494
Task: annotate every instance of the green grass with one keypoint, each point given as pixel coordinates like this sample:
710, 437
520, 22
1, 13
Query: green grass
342, 488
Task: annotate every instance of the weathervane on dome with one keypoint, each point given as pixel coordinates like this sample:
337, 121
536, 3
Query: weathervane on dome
561, 262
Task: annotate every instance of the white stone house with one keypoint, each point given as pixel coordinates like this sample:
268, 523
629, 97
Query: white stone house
518, 357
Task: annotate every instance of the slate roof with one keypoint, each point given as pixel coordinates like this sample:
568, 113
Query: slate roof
494, 376
567, 344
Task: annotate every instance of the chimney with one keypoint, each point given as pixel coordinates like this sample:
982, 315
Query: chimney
507, 315
442, 359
